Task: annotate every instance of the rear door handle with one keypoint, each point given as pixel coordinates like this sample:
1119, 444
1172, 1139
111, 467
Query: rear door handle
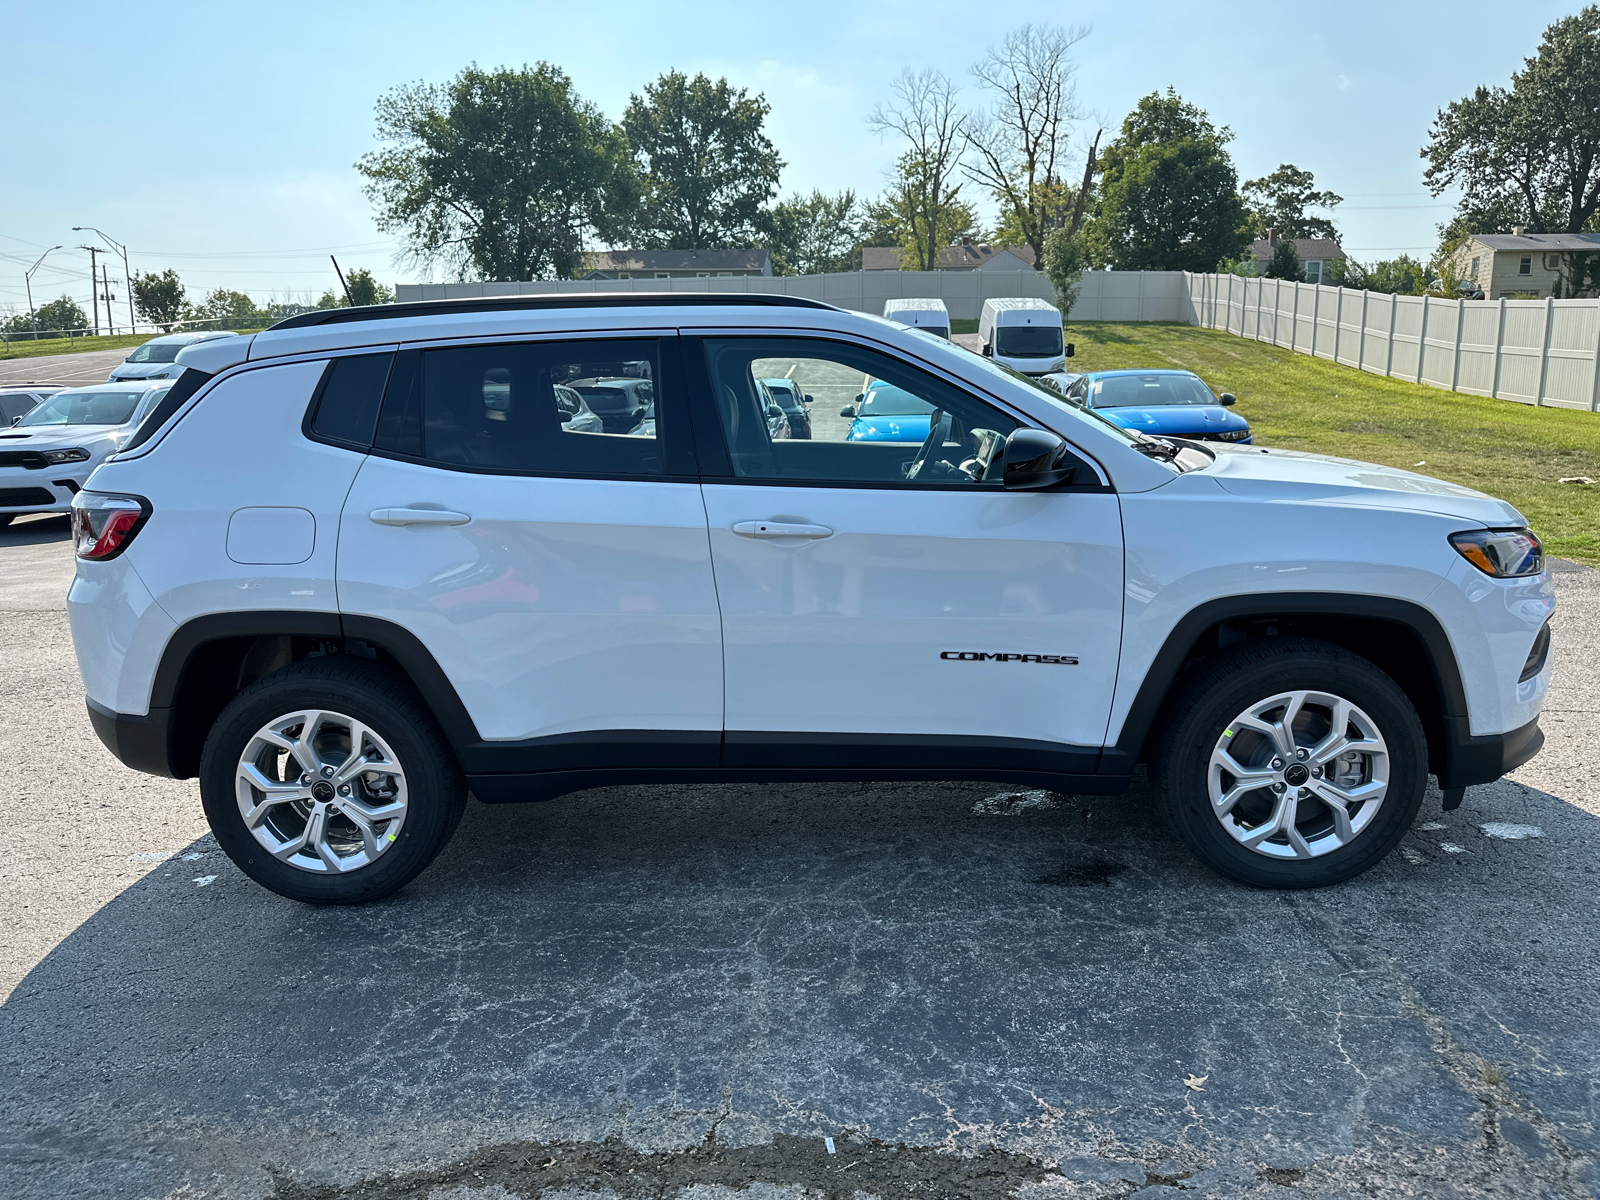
417, 516
780, 529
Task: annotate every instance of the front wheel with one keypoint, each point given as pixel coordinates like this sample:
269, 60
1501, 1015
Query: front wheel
1291, 763
330, 782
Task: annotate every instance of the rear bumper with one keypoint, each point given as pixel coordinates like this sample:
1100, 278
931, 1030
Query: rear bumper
1470, 760
137, 742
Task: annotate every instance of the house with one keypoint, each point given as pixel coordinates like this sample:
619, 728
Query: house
966, 255
1521, 265
1316, 255
675, 264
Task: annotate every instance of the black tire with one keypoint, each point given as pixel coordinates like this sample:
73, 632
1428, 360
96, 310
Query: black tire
382, 699
1224, 687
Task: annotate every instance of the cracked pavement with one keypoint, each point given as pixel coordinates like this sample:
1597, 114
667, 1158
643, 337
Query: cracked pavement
681, 992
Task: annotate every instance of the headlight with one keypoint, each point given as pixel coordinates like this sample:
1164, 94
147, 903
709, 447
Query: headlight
1503, 553
1233, 435
76, 454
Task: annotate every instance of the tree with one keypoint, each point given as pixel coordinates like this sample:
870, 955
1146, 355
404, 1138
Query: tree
504, 175
227, 308
1169, 191
709, 169
926, 116
899, 218
811, 235
1020, 146
364, 289
159, 299
1066, 257
1285, 262
55, 317
1530, 154
1279, 201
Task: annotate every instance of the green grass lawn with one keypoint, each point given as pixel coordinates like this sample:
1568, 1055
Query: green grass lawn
1513, 451
77, 345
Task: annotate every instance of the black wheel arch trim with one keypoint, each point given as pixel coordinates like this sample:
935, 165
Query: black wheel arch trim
1181, 640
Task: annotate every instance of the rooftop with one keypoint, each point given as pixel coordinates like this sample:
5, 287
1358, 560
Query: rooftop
1538, 241
678, 260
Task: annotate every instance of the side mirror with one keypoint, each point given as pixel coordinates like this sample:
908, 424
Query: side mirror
565, 417
807, 399
1072, 350
774, 411
1036, 458
1228, 399
16, 420
849, 410
988, 350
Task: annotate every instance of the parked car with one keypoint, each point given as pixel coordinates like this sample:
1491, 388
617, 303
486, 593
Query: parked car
48, 455
777, 421
157, 358
16, 403
387, 598
793, 401
1161, 402
885, 413
620, 403
1060, 380
574, 413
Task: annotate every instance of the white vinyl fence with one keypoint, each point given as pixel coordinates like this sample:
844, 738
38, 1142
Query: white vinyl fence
1105, 296
1543, 352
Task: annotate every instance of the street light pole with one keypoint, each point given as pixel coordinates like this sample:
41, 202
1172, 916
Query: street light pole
127, 274
27, 281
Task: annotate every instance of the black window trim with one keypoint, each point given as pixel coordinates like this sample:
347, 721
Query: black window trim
676, 451
713, 447
308, 421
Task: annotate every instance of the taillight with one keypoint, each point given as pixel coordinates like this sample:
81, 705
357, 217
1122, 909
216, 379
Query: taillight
104, 523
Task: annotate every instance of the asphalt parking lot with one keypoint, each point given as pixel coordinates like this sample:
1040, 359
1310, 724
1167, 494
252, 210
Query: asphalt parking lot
683, 992
65, 370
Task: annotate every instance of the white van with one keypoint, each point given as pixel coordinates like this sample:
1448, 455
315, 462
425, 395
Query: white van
1024, 334
930, 316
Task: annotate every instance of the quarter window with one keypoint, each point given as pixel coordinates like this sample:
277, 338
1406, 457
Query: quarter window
534, 407
873, 418
346, 405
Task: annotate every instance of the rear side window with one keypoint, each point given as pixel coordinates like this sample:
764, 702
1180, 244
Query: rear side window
345, 408
568, 407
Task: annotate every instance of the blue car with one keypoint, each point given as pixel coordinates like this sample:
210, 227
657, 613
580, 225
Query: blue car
1161, 402
885, 413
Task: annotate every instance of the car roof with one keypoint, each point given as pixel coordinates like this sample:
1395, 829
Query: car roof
184, 339
1138, 371
122, 385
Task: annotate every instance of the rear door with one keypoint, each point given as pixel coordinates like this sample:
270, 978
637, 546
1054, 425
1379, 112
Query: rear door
887, 602
559, 577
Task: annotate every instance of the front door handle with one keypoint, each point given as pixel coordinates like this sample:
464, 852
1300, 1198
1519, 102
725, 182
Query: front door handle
417, 516
780, 529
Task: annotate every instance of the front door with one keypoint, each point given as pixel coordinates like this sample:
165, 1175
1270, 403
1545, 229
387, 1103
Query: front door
560, 577
884, 600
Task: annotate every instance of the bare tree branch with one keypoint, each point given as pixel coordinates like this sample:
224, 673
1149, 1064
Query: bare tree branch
926, 115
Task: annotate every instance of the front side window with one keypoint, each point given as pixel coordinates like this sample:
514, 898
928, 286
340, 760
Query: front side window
536, 407
1028, 341
86, 408
873, 418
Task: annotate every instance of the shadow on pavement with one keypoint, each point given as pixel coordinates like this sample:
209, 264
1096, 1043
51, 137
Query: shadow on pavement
769, 966
41, 529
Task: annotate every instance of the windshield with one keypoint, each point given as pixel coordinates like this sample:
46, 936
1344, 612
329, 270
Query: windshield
85, 408
937, 330
156, 352
1138, 391
886, 400
1028, 341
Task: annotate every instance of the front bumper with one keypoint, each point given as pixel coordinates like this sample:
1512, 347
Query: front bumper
47, 490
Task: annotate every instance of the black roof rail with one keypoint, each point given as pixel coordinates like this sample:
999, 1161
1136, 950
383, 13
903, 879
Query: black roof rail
425, 308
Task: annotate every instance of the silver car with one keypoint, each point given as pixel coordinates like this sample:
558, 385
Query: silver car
46, 457
157, 358
18, 402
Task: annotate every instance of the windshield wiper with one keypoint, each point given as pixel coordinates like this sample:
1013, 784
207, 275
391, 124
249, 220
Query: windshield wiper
1154, 447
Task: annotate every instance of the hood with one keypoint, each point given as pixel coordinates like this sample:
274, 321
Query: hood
1175, 419
128, 370
889, 429
56, 437
1295, 477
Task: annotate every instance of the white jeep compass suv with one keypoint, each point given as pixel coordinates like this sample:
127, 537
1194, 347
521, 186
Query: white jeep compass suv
356, 566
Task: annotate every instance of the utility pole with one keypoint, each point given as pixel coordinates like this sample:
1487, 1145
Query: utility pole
105, 281
127, 273
27, 281
94, 275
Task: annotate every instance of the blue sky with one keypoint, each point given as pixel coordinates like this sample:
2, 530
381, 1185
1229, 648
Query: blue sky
219, 139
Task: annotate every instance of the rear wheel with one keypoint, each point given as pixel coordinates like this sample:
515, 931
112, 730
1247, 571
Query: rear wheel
1291, 763
330, 782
